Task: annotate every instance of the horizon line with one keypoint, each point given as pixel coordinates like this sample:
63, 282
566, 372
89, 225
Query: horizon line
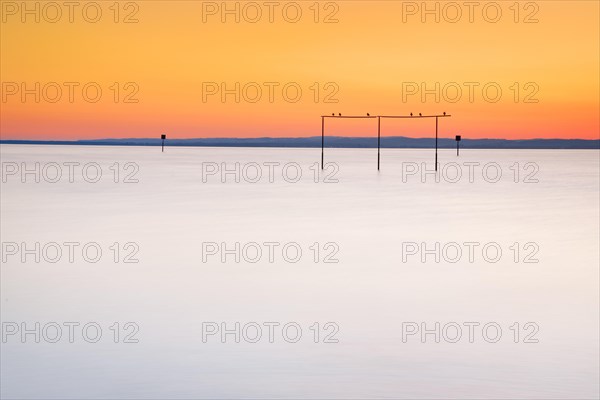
286, 138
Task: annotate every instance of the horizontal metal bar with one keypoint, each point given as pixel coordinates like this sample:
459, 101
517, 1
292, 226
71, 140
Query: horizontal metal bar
385, 116
348, 116
414, 116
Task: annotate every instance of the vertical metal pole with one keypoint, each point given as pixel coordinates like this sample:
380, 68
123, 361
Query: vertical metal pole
322, 141
163, 145
378, 140
457, 148
436, 142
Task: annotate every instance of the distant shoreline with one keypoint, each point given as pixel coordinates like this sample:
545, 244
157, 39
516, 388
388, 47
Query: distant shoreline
399, 142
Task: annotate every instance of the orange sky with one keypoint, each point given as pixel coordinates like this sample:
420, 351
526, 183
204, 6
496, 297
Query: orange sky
374, 59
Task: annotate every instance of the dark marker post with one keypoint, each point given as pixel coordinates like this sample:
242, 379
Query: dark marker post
457, 141
436, 142
322, 141
163, 137
378, 139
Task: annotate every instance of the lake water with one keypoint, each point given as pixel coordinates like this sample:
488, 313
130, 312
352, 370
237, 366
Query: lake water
347, 255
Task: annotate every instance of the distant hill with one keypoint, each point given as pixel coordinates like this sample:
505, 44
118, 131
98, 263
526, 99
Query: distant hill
334, 141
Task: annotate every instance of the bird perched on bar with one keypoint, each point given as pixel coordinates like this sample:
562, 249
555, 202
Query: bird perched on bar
420, 115
368, 115
444, 112
333, 114
340, 114
411, 114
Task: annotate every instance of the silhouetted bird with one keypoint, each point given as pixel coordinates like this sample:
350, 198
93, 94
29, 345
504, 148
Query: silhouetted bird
420, 115
411, 114
340, 114
333, 114
444, 112
368, 115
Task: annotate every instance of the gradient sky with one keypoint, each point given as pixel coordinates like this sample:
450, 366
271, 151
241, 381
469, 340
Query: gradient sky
370, 57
